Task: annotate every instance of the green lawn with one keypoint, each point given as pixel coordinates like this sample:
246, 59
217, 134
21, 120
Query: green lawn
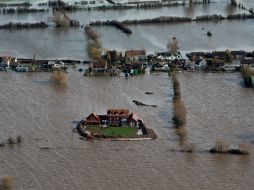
115, 131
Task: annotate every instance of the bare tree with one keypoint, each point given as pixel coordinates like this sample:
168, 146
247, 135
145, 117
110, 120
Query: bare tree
173, 46
233, 2
60, 20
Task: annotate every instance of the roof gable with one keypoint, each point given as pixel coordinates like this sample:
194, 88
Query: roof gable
93, 116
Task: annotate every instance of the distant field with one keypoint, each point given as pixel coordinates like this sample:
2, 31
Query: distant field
115, 131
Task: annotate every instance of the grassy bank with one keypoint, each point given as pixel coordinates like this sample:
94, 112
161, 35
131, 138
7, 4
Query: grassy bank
114, 131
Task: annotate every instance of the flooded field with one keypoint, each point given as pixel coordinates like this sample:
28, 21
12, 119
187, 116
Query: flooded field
71, 43
53, 158
44, 114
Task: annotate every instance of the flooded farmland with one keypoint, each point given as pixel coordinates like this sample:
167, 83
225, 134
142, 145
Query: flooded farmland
72, 43
51, 157
31, 106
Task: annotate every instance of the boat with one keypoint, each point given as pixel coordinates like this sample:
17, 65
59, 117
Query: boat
22, 68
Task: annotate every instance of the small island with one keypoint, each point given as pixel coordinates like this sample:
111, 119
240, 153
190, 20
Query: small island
117, 124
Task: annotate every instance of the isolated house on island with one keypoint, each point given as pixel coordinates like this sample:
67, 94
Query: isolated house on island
114, 117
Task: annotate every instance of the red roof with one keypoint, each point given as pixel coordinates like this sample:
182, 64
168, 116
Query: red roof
118, 111
133, 53
93, 115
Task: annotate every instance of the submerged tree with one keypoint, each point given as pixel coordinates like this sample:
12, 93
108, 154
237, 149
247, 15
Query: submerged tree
94, 45
233, 2
173, 46
60, 19
60, 77
6, 182
247, 74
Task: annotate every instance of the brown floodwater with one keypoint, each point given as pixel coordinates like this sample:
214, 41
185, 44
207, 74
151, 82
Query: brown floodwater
44, 114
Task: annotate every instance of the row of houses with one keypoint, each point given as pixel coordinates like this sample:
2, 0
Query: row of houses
221, 60
244, 58
9, 62
135, 60
222, 55
132, 60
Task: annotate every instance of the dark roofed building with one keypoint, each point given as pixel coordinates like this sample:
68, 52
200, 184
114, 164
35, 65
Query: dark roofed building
99, 66
249, 55
247, 62
164, 54
220, 55
195, 55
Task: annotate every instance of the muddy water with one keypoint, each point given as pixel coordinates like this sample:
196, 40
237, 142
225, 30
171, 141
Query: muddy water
30, 105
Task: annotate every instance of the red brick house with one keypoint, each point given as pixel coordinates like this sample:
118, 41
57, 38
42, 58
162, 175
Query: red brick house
114, 117
117, 116
92, 119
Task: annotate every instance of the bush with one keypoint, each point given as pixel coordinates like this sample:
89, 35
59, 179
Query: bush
60, 20
173, 46
246, 73
94, 50
60, 77
91, 34
6, 182
94, 46
221, 146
